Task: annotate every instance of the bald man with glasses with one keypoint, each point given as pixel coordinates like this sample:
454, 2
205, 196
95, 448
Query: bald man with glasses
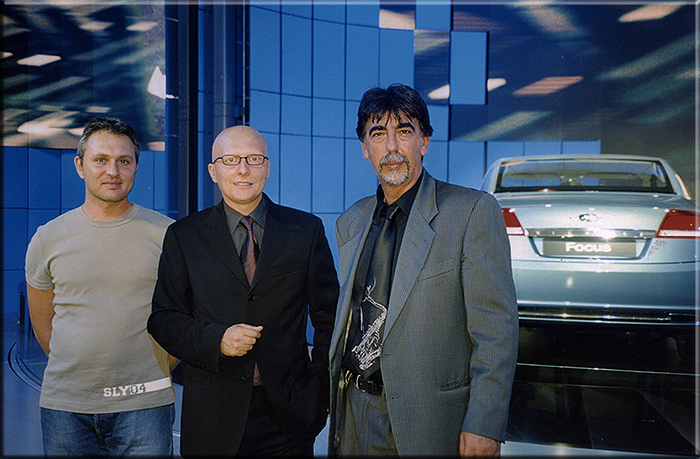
236, 285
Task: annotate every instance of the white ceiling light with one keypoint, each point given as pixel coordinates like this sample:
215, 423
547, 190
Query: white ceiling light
156, 85
650, 12
547, 86
142, 26
440, 93
493, 83
95, 26
38, 60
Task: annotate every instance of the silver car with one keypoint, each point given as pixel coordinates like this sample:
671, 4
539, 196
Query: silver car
604, 240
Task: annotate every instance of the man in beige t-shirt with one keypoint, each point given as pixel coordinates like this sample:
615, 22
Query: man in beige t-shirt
90, 277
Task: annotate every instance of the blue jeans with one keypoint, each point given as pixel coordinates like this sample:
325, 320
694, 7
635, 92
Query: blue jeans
142, 432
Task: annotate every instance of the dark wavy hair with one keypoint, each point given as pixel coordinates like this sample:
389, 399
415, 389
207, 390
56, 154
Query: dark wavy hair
397, 100
112, 125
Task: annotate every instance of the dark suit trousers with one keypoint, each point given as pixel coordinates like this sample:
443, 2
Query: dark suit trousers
264, 437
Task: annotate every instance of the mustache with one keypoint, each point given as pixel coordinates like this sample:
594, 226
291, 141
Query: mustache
394, 158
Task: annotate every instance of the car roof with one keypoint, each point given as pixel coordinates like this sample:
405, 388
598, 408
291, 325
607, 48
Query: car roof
580, 156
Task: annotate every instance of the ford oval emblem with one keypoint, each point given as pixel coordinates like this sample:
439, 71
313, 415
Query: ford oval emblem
590, 218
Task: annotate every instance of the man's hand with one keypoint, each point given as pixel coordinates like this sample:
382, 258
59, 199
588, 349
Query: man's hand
471, 445
239, 339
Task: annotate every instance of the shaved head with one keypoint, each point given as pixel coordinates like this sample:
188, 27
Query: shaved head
241, 185
238, 138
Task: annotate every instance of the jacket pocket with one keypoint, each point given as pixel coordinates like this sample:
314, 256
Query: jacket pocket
198, 376
456, 384
438, 269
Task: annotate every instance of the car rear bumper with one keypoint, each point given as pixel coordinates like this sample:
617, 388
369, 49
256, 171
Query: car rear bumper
543, 315
626, 294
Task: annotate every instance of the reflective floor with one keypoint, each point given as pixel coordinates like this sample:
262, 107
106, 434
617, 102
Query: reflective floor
575, 394
604, 391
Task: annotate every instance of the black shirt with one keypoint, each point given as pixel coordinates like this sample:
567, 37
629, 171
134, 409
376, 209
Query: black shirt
405, 202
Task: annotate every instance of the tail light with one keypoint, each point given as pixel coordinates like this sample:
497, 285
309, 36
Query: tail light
513, 226
680, 224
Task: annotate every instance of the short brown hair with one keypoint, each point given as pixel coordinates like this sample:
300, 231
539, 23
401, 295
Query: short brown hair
112, 125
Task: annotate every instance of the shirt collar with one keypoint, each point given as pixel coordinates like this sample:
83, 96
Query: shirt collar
234, 217
405, 201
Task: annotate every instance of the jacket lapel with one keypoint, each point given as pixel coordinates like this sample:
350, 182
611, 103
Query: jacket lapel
221, 242
417, 239
348, 254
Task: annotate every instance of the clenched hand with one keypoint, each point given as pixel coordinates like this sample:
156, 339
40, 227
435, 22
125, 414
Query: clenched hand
239, 339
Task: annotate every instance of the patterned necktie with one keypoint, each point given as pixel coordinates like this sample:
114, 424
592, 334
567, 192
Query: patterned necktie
249, 257
249, 250
374, 304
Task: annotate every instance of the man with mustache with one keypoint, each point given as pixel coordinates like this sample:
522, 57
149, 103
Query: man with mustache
425, 341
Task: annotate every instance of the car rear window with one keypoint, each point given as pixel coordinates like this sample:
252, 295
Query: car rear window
583, 175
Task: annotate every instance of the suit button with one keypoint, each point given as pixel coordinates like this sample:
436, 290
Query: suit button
245, 378
251, 297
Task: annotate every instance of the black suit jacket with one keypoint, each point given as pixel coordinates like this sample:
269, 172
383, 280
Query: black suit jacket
202, 290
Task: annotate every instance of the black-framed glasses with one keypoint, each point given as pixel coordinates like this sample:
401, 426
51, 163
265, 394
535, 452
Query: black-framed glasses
235, 160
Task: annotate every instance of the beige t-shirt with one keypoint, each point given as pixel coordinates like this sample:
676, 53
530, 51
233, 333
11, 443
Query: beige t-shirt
103, 273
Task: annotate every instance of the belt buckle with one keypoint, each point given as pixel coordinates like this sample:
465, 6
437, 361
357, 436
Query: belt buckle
356, 380
351, 377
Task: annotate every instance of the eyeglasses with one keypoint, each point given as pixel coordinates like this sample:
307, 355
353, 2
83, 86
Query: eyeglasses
235, 160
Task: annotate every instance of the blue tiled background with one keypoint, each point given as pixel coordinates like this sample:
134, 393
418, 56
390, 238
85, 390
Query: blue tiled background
309, 66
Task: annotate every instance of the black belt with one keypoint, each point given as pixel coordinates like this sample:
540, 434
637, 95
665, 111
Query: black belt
365, 385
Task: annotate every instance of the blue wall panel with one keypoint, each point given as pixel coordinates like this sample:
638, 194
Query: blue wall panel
296, 115
435, 161
15, 167
360, 178
205, 34
10, 291
296, 55
466, 163
440, 121
142, 192
433, 16
571, 147
205, 186
502, 149
272, 187
396, 63
265, 111
295, 171
14, 238
44, 182
330, 12
329, 60
365, 12
361, 61
542, 148
351, 119
328, 118
72, 186
205, 110
160, 181
327, 176
264, 49
468, 68
297, 9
